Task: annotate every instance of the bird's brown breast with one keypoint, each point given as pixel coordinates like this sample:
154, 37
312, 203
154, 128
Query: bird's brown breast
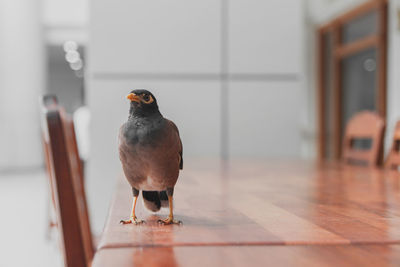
151, 164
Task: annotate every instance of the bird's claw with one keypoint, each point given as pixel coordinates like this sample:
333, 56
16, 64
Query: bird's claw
169, 220
134, 221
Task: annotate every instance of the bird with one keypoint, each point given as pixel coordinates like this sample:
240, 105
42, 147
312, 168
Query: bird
151, 154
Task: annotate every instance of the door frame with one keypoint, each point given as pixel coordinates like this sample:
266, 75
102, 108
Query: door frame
341, 51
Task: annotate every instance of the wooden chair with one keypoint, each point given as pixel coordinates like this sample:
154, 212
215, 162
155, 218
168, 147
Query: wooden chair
48, 101
364, 126
66, 182
393, 158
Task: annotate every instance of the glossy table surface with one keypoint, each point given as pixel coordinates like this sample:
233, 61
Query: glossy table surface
263, 210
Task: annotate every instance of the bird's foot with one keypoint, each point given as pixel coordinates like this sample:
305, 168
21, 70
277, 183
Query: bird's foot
132, 220
169, 220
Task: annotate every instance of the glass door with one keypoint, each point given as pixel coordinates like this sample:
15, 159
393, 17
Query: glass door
352, 72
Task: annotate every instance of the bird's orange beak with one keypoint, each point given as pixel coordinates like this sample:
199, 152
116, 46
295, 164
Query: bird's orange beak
133, 97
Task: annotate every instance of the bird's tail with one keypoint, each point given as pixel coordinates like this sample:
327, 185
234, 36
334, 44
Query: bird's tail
154, 200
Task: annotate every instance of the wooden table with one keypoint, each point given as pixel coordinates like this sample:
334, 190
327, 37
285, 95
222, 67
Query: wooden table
281, 213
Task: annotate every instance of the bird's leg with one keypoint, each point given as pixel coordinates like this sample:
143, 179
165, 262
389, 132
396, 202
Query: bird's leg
133, 218
170, 218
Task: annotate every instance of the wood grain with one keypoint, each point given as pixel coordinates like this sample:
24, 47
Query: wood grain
251, 256
267, 203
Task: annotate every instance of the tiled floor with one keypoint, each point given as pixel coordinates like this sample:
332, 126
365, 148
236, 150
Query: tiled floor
23, 222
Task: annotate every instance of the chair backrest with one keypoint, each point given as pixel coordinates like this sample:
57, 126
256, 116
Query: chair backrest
367, 128
47, 102
393, 158
67, 186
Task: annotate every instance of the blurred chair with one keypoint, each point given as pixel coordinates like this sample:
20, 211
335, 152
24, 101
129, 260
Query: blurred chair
48, 101
363, 139
67, 185
393, 158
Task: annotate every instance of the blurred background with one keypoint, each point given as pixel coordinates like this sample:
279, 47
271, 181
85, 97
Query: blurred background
240, 78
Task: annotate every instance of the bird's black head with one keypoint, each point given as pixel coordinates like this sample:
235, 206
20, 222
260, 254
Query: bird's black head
143, 103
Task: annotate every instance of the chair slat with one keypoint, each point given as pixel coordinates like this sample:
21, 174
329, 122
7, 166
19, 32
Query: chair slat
365, 124
66, 181
77, 172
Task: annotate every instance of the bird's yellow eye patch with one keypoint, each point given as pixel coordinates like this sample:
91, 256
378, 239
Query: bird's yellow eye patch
147, 99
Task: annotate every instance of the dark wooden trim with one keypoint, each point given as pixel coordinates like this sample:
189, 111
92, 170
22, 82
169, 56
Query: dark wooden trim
382, 65
79, 187
337, 103
321, 95
382, 60
357, 46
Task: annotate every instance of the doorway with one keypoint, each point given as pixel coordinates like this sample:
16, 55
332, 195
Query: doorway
351, 71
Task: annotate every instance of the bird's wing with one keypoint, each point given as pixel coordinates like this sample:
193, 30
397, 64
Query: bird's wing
173, 126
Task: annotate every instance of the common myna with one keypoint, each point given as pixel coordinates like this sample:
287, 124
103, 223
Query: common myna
150, 151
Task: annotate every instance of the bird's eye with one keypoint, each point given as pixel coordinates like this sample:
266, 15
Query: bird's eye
147, 99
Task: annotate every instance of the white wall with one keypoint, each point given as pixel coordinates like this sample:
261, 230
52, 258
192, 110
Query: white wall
65, 20
265, 62
22, 79
179, 50
264, 119
265, 36
65, 13
155, 37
